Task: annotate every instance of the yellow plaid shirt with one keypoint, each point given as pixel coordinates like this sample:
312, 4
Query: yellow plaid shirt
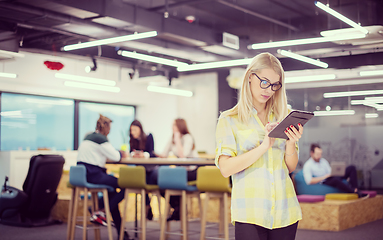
262, 194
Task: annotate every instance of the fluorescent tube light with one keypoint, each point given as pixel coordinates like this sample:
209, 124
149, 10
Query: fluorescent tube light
91, 86
334, 113
149, 58
309, 78
340, 17
168, 90
219, 64
8, 75
306, 41
352, 93
110, 40
86, 79
303, 58
371, 115
374, 99
371, 73
337, 32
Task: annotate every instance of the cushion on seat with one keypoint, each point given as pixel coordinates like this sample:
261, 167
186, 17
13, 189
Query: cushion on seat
310, 198
371, 193
341, 196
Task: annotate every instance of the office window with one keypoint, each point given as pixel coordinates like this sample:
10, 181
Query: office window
35, 122
122, 116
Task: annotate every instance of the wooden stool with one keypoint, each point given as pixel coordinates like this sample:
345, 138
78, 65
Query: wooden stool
133, 180
211, 181
77, 180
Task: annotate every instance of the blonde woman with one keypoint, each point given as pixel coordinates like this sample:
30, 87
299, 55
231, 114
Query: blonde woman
264, 204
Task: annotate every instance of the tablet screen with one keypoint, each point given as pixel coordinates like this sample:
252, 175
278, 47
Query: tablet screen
293, 118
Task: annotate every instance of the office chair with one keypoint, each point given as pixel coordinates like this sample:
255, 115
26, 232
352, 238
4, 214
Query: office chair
32, 206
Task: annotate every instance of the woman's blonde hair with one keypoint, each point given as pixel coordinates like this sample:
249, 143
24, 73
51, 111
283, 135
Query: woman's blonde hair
277, 103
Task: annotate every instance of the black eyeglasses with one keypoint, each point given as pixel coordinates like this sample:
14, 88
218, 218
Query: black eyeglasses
265, 84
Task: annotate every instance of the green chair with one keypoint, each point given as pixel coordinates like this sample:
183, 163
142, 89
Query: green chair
133, 180
211, 181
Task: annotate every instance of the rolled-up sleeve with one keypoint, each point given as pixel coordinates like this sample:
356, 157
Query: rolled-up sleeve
225, 140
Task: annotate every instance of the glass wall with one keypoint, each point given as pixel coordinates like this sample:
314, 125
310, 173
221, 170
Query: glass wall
354, 139
33, 122
122, 116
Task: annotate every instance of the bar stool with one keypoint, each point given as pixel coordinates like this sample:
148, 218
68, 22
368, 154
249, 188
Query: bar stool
133, 180
174, 181
77, 180
211, 181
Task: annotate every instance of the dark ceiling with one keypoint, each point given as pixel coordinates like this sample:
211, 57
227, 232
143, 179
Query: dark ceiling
48, 25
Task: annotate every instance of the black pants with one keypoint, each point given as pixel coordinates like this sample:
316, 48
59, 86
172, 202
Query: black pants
339, 184
98, 175
247, 231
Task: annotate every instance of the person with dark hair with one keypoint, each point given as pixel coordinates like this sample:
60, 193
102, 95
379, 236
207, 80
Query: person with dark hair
93, 153
142, 146
182, 146
318, 170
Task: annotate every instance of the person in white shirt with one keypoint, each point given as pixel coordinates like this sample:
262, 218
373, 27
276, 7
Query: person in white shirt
93, 153
318, 170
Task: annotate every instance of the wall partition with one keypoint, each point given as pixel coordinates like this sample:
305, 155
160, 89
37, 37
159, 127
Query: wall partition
121, 116
34, 122
30, 122
355, 138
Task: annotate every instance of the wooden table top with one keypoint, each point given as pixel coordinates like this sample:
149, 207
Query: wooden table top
167, 161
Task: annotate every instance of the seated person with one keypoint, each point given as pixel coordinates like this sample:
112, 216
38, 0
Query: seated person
182, 146
142, 146
93, 153
318, 170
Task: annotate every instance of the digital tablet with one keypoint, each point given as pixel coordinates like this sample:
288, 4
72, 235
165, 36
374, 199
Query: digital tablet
293, 118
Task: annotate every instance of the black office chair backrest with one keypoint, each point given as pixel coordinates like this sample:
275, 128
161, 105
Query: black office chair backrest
41, 183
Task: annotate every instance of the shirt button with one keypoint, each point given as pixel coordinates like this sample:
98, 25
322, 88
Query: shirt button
272, 183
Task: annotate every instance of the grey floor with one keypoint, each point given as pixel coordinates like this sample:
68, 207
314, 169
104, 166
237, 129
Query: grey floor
369, 231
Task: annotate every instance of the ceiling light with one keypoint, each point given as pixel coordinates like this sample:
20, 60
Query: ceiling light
371, 115
110, 40
309, 78
306, 41
86, 79
303, 58
91, 86
340, 17
149, 58
371, 73
168, 90
337, 32
333, 113
8, 75
219, 64
374, 99
351, 93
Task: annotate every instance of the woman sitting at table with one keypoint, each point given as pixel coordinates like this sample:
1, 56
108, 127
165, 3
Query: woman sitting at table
142, 146
182, 146
93, 153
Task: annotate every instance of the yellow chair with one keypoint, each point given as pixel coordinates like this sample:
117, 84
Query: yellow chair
133, 180
211, 181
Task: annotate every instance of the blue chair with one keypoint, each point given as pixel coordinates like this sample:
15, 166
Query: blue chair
78, 182
312, 189
174, 181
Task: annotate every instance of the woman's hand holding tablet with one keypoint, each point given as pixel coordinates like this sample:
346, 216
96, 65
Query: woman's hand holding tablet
292, 119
